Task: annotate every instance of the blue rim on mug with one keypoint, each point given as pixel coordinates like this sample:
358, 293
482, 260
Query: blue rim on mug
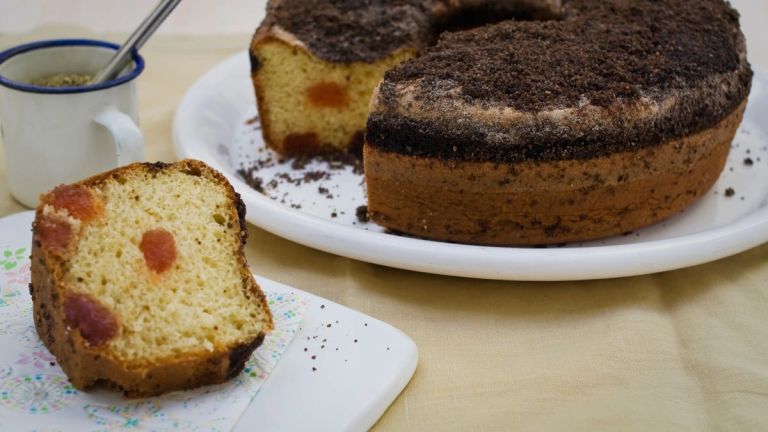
138, 61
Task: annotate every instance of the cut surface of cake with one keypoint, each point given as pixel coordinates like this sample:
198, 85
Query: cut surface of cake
139, 279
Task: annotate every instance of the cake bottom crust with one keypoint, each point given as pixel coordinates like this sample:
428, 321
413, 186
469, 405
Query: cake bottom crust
550, 202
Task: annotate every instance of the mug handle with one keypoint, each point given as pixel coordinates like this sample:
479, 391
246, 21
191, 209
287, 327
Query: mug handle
129, 142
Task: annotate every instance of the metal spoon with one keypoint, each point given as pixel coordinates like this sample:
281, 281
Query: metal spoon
140, 36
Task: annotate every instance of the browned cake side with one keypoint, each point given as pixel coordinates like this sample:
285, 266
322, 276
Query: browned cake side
146, 317
544, 202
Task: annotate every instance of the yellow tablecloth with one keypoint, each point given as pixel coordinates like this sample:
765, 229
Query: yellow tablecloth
683, 350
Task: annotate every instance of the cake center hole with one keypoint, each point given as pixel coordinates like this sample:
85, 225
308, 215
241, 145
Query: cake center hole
476, 16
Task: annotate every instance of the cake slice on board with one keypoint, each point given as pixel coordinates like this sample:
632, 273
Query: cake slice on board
139, 279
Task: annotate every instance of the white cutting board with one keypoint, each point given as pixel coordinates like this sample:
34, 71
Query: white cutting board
350, 388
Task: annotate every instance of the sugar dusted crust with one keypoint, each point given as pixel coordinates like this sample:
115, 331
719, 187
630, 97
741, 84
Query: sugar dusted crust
126, 359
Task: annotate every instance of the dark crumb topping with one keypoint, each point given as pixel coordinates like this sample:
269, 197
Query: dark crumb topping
592, 52
368, 30
604, 51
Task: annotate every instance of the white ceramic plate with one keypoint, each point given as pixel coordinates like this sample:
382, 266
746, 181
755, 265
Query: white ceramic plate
212, 124
360, 369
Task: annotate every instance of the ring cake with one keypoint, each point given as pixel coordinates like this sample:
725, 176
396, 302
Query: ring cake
544, 122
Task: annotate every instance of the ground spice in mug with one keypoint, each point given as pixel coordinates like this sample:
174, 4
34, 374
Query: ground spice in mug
63, 80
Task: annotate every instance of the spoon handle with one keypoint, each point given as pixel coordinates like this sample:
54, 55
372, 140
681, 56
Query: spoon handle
137, 39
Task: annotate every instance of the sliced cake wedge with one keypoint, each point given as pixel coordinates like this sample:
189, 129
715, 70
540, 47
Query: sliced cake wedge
139, 279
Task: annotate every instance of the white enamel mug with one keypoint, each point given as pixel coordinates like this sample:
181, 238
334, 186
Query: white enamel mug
56, 135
